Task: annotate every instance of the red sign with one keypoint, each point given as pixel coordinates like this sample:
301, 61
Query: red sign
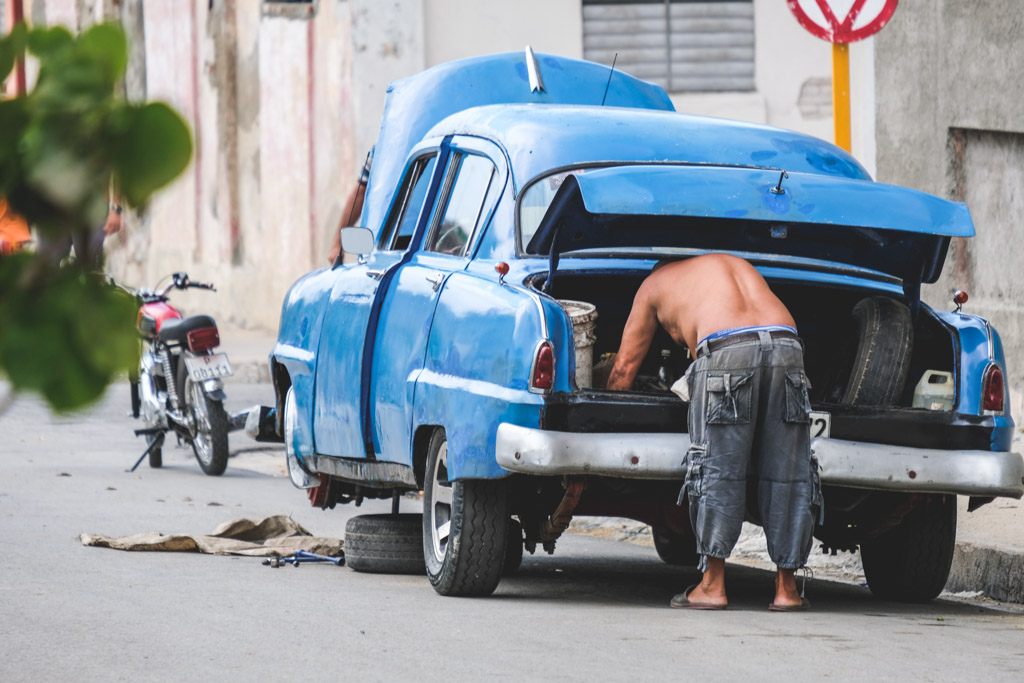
842, 21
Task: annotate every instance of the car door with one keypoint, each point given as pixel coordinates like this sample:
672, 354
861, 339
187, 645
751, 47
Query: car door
472, 184
338, 417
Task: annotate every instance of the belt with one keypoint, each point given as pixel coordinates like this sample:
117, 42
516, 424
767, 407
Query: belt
740, 338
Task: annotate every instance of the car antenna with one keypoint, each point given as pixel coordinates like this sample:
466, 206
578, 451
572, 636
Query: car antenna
609, 83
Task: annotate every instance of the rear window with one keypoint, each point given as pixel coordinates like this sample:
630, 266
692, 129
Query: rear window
536, 200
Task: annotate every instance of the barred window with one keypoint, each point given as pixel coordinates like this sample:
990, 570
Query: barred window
682, 45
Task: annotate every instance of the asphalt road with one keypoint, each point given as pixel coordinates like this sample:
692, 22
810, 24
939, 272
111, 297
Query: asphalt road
595, 610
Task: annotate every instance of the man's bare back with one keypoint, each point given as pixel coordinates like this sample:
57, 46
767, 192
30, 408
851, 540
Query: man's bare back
691, 299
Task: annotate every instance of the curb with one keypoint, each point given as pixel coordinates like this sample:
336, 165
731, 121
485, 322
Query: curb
999, 574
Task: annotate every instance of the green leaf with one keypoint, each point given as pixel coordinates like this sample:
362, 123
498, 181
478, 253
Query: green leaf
48, 41
106, 45
66, 339
12, 47
152, 149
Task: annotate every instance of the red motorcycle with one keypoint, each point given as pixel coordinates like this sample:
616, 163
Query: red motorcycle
179, 387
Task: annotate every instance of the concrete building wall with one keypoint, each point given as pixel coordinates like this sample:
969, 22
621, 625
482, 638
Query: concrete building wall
455, 29
949, 121
793, 74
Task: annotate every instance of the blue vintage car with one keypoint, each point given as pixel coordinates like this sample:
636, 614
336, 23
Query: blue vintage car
443, 356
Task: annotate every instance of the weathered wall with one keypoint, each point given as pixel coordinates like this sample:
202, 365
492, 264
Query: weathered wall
950, 121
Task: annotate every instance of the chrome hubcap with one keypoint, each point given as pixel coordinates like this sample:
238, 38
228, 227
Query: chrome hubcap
440, 504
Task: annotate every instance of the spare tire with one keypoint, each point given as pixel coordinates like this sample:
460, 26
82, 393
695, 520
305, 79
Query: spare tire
885, 342
385, 544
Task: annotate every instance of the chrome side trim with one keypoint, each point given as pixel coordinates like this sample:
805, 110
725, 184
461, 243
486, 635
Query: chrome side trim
369, 473
843, 463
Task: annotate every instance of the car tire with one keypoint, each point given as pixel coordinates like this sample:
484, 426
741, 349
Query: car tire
911, 562
514, 548
673, 548
385, 544
465, 527
885, 342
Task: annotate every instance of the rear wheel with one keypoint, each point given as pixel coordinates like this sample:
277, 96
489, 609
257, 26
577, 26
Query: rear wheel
911, 562
385, 544
674, 548
465, 527
514, 547
209, 428
156, 453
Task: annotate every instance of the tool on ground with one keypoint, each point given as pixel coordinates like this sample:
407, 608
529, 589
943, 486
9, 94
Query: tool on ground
302, 557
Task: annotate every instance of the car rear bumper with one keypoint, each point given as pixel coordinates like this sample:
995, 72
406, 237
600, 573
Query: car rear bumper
843, 463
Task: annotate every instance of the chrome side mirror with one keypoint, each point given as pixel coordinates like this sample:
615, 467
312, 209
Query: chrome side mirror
357, 241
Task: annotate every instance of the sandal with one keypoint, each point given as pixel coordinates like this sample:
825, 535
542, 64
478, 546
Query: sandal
682, 601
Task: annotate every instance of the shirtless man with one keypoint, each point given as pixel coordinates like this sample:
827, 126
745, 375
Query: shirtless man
748, 416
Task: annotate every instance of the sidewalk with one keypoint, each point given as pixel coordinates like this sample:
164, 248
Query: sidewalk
990, 542
249, 351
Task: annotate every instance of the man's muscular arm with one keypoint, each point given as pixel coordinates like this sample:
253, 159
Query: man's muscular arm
636, 340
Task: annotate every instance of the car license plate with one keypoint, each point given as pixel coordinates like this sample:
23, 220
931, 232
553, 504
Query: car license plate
821, 424
208, 367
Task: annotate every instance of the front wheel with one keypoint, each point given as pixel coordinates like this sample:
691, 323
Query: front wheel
465, 527
209, 427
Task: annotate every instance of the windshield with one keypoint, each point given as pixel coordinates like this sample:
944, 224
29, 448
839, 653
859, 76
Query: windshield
536, 200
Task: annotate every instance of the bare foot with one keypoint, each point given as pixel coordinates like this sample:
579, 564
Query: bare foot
786, 593
710, 592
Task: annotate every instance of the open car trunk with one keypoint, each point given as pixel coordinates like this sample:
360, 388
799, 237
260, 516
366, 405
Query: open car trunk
823, 315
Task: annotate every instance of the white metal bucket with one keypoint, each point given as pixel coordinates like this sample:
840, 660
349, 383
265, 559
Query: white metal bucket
584, 333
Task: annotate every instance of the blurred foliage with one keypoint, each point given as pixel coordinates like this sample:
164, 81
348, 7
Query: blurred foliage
65, 332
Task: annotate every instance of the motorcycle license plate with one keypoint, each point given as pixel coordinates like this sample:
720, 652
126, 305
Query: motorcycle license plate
821, 424
208, 367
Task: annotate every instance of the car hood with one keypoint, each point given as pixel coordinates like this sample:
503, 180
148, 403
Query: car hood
895, 230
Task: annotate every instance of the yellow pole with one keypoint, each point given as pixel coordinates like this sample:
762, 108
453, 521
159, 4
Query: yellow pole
841, 93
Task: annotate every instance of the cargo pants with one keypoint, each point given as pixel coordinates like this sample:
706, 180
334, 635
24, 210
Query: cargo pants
749, 422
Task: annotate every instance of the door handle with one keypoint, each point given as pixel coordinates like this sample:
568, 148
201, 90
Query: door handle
436, 280
375, 274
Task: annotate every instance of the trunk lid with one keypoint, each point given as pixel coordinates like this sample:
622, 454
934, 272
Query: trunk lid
894, 230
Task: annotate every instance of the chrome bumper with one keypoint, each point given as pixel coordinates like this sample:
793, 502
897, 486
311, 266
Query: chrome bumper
843, 463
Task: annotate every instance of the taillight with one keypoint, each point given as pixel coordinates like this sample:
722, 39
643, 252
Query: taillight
543, 368
993, 389
203, 339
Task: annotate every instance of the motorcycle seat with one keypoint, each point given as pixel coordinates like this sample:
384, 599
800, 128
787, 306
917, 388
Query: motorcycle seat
176, 331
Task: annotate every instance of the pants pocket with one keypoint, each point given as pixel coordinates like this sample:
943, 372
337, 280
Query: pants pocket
728, 398
693, 485
798, 401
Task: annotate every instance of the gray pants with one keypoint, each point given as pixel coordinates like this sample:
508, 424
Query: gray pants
749, 429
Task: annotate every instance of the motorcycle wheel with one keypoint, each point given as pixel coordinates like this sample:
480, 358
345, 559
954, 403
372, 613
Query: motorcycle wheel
209, 428
156, 454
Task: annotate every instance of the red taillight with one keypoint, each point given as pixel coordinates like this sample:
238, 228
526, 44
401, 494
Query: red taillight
203, 339
993, 389
543, 368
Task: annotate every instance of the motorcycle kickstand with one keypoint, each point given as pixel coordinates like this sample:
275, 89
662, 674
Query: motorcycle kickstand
155, 443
